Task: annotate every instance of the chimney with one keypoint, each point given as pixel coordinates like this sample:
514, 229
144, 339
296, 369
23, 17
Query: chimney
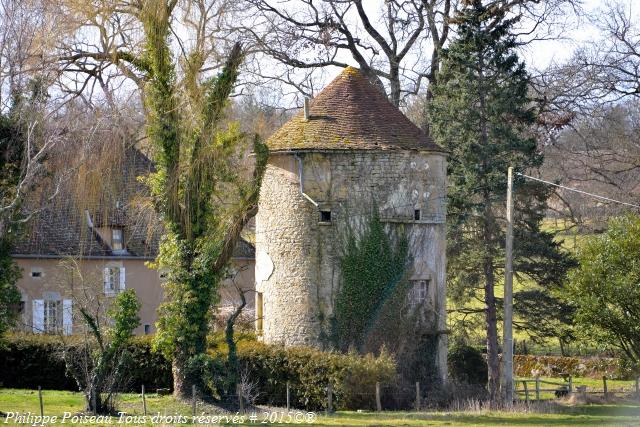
306, 108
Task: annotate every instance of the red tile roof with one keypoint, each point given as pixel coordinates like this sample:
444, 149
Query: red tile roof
351, 114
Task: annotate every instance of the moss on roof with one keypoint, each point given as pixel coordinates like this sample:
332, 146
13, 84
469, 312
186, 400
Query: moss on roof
351, 114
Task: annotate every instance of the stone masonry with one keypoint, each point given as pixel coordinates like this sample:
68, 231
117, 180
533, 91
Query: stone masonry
311, 192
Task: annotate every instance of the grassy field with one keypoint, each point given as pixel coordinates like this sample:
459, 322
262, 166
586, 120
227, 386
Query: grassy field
59, 402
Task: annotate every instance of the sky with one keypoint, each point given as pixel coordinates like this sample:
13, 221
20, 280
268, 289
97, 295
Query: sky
541, 53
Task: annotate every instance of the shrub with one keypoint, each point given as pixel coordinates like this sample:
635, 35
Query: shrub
556, 366
31, 360
467, 365
308, 371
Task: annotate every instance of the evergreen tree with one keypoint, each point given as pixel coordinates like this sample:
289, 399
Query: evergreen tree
482, 114
11, 152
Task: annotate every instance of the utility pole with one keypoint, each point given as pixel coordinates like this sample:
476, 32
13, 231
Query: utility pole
507, 341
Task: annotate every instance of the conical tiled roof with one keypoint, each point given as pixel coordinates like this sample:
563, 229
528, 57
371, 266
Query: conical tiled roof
351, 114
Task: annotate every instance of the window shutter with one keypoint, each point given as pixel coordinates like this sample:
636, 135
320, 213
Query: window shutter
107, 280
122, 279
38, 316
67, 316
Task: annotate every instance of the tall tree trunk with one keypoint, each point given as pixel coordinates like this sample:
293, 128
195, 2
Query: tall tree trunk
394, 82
488, 224
181, 384
493, 363
232, 358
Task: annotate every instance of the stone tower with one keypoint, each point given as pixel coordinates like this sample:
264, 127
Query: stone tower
350, 149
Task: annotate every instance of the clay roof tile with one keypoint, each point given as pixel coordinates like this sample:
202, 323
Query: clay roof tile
351, 114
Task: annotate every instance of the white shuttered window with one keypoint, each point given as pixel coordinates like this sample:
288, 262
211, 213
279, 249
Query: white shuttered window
38, 316
67, 316
114, 280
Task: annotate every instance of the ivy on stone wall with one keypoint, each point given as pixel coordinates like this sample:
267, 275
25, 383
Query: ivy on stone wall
374, 309
373, 268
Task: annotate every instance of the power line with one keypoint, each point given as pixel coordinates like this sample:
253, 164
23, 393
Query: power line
597, 196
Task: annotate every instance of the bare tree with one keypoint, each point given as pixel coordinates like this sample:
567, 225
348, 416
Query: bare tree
307, 34
589, 109
397, 44
98, 363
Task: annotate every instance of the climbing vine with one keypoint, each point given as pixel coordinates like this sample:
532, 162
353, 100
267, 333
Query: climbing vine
374, 308
373, 268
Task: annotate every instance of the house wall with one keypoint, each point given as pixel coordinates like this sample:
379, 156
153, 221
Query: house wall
57, 278
297, 268
61, 276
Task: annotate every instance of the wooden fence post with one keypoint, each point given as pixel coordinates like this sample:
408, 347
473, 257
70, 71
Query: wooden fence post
526, 392
329, 398
41, 403
638, 388
537, 388
378, 403
288, 396
417, 395
144, 401
193, 400
604, 384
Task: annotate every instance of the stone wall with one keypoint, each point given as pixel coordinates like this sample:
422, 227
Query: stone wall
296, 254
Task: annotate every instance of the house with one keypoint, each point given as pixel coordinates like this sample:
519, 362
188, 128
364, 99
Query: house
84, 249
350, 149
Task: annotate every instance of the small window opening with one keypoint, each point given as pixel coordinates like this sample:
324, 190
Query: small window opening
147, 329
418, 292
36, 273
416, 214
325, 216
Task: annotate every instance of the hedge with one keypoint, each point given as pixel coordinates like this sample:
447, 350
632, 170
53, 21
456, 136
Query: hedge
556, 366
308, 371
29, 361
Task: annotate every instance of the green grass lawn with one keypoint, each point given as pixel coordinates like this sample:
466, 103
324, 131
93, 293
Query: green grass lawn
58, 402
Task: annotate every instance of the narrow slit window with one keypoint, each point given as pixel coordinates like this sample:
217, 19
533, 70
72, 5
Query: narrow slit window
147, 329
417, 215
259, 312
325, 216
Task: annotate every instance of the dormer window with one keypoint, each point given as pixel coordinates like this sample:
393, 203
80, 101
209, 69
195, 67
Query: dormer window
116, 239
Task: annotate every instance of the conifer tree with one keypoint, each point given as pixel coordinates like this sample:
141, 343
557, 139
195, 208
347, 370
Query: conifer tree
482, 114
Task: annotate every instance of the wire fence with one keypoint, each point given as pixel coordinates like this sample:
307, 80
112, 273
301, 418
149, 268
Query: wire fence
536, 389
385, 396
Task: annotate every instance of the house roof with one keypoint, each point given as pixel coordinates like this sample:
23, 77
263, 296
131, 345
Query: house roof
65, 228
351, 114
